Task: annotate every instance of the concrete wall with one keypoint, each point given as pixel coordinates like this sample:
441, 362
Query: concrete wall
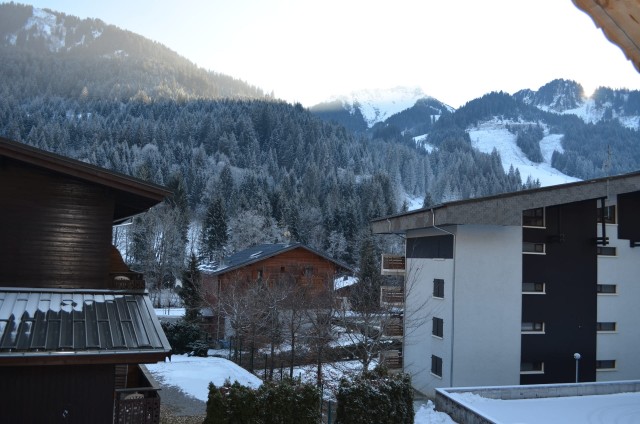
481, 309
420, 308
487, 305
621, 308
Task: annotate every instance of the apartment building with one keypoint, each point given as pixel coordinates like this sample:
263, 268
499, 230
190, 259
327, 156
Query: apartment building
509, 288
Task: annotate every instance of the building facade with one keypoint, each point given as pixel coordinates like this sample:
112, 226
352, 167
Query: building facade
75, 322
514, 285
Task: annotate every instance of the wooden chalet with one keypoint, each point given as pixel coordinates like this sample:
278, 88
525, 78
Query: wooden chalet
75, 322
271, 263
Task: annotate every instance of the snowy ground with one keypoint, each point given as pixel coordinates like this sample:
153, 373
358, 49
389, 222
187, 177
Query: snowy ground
193, 374
623, 408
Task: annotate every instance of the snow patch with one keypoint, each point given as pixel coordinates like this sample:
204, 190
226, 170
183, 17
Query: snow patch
493, 134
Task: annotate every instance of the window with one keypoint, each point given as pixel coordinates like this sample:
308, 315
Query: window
533, 288
282, 269
308, 271
438, 288
609, 214
436, 365
532, 327
533, 248
533, 217
607, 289
606, 251
532, 367
438, 324
606, 327
606, 364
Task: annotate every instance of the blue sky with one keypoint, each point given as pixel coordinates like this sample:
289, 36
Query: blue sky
307, 51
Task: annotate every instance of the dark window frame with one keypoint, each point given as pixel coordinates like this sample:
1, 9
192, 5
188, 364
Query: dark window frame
436, 365
533, 218
438, 288
606, 327
534, 288
607, 289
437, 328
606, 364
609, 214
607, 251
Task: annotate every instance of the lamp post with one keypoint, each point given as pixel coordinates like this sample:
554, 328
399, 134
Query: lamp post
576, 356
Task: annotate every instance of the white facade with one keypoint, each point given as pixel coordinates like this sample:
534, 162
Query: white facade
621, 308
481, 309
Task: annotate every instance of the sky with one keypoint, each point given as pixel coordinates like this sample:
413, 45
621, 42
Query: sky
309, 51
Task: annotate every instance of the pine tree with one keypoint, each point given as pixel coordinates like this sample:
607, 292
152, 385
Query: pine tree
191, 292
214, 230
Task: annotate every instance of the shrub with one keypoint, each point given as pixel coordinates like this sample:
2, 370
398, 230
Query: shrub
181, 334
375, 397
284, 402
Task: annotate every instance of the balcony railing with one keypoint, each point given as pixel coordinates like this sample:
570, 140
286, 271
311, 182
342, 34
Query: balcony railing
394, 328
393, 265
391, 296
391, 359
135, 405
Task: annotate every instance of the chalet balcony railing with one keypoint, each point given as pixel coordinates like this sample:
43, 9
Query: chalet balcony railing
391, 359
393, 265
394, 328
391, 296
137, 405
126, 281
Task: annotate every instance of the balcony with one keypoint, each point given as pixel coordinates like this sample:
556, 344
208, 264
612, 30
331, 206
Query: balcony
391, 359
394, 328
138, 404
393, 265
391, 296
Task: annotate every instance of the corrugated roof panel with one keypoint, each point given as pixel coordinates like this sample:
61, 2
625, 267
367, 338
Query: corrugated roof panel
73, 321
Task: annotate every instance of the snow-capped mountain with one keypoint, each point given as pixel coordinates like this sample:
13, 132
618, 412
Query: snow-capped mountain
377, 105
53, 31
567, 97
364, 109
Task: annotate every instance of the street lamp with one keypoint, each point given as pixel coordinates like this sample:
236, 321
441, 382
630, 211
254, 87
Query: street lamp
576, 356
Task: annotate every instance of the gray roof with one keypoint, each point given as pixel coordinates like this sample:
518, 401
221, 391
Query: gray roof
75, 322
506, 208
261, 252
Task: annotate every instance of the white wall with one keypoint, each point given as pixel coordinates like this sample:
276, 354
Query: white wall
420, 308
483, 285
622, 308
488, 305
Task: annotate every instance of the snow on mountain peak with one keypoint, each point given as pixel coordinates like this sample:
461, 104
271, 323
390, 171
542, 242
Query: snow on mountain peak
376, 105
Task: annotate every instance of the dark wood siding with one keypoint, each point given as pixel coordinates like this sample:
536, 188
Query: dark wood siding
569, 307
57, 394
55, 230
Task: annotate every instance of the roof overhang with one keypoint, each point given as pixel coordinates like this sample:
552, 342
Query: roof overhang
619, 21
506, 209
133, 195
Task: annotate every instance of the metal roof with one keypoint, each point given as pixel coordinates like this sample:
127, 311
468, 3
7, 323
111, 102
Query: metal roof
261, 252
37, 323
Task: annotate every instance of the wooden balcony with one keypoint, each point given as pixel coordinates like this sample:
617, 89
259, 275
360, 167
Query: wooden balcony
392, 296
393, 265
135, 405
394, 328
391, 359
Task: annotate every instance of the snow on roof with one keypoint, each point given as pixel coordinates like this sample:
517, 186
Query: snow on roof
345, 281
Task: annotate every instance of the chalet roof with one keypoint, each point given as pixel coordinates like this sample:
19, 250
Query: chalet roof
261, 252
133, 195
45, 325
506, 209
619, 22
